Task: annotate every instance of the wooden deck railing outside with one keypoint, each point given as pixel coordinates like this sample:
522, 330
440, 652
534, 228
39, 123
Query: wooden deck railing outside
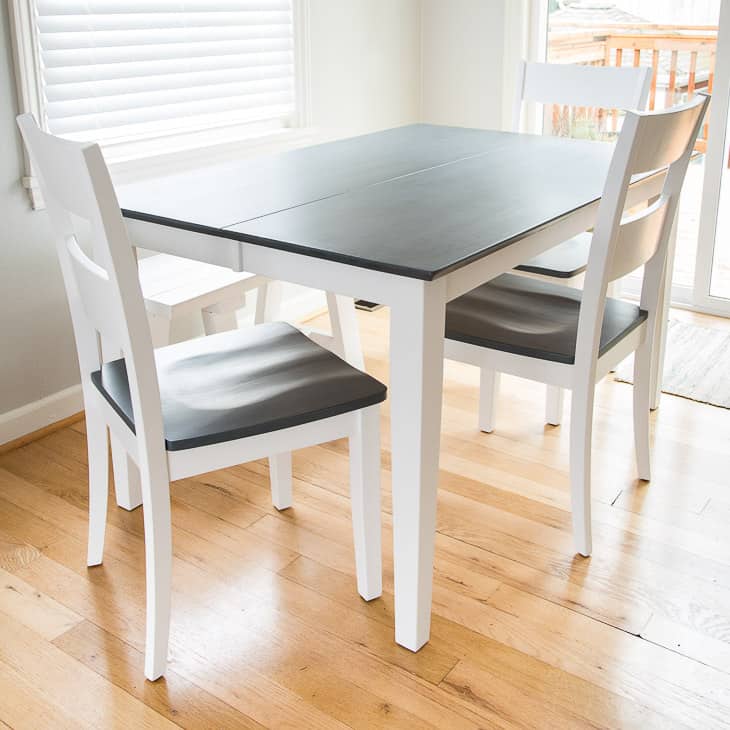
682, 59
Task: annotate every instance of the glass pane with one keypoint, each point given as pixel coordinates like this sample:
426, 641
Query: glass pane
720, 281
677, 39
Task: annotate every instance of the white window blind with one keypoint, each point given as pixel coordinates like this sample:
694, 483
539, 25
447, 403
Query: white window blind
126, 69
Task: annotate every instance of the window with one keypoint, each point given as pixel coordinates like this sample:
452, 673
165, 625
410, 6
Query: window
142, 75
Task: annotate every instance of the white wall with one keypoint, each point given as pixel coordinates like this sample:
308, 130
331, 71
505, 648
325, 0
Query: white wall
37, 355
365, 69
462, 61
365, 64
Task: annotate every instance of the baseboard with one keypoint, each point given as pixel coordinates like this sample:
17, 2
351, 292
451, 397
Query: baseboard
35, 416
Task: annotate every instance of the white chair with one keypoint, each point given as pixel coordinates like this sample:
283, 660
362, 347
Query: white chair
196, 406
570, 338
573, 85
175, 288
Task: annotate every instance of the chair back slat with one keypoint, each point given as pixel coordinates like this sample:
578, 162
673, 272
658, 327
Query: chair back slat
621, 243
102, 284
565, 84
639, 236
95, 293
658, 140
63, 171
661, 138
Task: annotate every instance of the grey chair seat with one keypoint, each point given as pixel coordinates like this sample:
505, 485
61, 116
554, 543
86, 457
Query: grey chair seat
532, 318
243, 383
565, 261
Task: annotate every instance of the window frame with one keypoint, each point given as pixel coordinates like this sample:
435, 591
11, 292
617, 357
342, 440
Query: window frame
28, 77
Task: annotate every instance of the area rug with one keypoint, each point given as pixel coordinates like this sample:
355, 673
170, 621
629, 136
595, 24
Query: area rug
697, 364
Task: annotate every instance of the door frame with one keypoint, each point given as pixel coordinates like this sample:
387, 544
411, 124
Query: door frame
715, 166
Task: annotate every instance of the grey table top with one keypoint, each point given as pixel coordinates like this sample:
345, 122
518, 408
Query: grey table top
417, 201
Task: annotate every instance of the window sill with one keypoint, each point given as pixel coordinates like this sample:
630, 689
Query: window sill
144, 162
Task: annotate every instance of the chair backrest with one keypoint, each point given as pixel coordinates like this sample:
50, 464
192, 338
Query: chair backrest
658, 142
567, 84
103, 292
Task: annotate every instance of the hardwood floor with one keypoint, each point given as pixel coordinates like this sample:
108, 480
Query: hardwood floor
268, 630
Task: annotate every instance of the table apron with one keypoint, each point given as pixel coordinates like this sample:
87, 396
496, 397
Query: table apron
358, 282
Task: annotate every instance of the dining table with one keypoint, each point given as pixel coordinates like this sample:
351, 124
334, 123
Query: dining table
411, 218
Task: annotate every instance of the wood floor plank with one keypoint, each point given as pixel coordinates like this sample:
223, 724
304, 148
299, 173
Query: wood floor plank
23, 705
33, 609
72, 520
716, 512
15, 554
174, 697
580, 588
364, 672
460, 567
553, 510
60, 679
467, 612
684, 640
660, 587
112, 597
118, 578
359, 629
535, 689
20, 527
605, 656
650, 589
695, 555
519, 667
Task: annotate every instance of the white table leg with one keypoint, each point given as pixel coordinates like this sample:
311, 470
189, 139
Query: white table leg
268, 302
218, 319
416, 386
160, 329
660, 337
345, 329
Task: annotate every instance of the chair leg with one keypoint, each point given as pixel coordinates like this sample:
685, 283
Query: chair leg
488, 391
345, 329
613, 291
642, 407
280, 477
554, 405
98, 451
662, 324
127, 486
219, 318
581, 426
158, 571
160, 328
658, 353
268, 302
365, 500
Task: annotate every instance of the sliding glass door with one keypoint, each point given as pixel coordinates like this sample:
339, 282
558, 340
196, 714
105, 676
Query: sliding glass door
678, 40
712, 279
